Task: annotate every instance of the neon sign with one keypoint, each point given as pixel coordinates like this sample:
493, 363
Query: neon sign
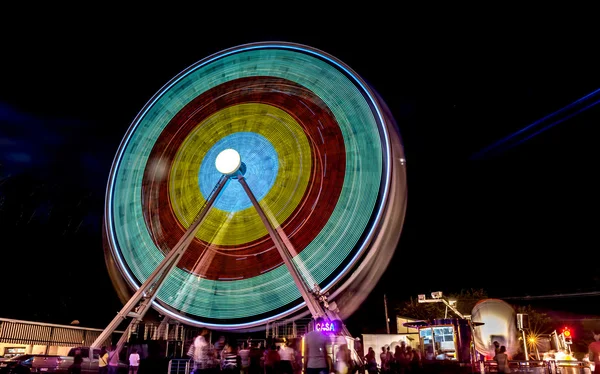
327, 326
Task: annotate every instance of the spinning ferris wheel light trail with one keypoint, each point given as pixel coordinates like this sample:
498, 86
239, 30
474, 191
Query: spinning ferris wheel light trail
320, 198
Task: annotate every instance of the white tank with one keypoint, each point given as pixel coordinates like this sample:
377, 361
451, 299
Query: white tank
499, 320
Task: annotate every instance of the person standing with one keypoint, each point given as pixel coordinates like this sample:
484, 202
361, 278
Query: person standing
594, 352
501, 359
75, 367
103, 361
272, 360
134, 361
358, 346
343, 361
113, 360
244, 354
383, 358
371, 362
315, 350
230, 359
286, 354
496, 347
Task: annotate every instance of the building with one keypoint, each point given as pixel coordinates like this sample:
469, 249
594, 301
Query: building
18, 337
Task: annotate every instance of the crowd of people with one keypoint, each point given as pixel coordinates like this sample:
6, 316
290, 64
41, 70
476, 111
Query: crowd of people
108, 361
403, 360
228, 356
232, 357
266, 357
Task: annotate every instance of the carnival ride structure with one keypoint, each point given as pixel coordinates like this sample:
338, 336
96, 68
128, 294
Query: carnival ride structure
260, 183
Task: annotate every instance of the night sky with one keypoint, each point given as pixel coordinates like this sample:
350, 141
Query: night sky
519, 219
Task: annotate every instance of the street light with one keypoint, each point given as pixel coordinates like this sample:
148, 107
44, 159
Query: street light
437, 294
438, 298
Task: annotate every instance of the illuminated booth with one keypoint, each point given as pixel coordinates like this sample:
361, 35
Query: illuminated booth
447, 340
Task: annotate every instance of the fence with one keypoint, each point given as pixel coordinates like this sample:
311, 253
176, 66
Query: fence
179, 366
46, 336
543, 367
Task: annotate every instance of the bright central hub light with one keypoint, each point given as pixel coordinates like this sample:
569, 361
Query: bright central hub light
228, 161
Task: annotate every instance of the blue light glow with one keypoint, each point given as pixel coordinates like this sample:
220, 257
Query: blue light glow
262, 165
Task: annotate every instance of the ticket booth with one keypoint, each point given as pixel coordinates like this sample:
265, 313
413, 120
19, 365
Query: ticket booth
448, 339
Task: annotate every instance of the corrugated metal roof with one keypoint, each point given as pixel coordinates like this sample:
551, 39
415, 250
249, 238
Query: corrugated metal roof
27, 332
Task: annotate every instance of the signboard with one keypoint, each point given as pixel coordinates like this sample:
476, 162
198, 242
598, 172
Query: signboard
329, 326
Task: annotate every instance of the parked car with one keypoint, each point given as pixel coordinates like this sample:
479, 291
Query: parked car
60, 364
20, 364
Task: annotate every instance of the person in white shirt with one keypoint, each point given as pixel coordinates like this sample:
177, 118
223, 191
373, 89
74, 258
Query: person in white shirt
501, 359
203, 353
134, 361
244, 354
286, 355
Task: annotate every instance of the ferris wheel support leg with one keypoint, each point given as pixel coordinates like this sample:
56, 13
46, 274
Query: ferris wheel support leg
313, 305
146, 293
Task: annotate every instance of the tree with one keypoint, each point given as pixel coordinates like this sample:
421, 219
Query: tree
466, 299
539, 323
412, 309
589, 327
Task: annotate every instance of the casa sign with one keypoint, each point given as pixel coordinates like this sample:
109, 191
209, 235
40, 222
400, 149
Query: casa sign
328, 326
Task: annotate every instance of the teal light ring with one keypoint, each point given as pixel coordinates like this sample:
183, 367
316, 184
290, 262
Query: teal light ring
365, 154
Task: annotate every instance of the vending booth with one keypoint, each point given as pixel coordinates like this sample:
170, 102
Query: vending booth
448, 341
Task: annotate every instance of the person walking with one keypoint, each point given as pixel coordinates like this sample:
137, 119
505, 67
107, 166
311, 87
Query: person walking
203, 354
315, 346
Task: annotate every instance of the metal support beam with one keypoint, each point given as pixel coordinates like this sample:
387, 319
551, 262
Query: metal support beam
142, 299
448, 305
139, 304
313, 305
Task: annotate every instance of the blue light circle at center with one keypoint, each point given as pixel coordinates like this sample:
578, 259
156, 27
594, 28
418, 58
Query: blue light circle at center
262, 164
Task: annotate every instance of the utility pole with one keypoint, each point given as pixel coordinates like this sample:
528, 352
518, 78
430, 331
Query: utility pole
387, 319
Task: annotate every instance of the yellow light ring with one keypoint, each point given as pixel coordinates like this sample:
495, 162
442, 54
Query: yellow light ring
244, 226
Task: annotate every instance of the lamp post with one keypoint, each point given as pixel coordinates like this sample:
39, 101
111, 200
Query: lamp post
437, 297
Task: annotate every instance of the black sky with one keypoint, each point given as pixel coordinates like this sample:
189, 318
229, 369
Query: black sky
518, 222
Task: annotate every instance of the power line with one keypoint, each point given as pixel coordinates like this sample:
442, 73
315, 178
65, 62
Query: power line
553, 296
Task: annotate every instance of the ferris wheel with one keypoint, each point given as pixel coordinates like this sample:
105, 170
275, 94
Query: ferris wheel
253, 177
